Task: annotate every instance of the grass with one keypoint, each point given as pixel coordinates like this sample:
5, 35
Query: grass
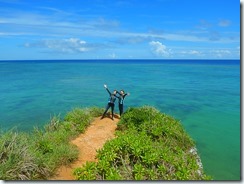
149, 146
17, 162
36, 155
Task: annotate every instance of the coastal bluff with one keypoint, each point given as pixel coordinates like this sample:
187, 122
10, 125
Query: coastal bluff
143, 144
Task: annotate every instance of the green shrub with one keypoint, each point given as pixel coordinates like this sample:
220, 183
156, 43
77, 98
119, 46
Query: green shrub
149, 145
157, 125
80, 118
95, 111
134, 117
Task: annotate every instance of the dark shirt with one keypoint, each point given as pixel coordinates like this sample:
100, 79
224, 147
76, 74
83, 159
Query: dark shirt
121, 98
112, 97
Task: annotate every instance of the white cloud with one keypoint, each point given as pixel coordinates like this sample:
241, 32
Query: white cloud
221, 53
55, 24
194, 52
71, 45
58, 23
159, 49
191, 52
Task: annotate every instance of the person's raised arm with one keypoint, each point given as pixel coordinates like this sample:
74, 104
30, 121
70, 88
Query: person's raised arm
106, 87
127, 94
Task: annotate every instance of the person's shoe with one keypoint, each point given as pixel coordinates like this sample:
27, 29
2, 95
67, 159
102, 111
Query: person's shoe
102, 117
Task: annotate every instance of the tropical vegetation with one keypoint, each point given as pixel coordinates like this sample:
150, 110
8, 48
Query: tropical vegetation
37, 155
149, 145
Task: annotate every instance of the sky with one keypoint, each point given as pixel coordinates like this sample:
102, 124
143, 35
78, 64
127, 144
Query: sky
119, 29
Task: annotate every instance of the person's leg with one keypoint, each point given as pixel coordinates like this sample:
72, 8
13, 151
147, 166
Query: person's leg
107, 107
121, 109
112, 109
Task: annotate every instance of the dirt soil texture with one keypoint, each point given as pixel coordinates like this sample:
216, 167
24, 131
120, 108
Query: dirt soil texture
96, 134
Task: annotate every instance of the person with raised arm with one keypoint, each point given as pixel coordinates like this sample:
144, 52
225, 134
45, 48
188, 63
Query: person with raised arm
111, 101
121, 97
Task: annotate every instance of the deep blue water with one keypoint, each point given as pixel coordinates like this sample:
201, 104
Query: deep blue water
203, 94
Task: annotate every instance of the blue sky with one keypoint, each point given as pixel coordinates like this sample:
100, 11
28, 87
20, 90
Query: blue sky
122, 29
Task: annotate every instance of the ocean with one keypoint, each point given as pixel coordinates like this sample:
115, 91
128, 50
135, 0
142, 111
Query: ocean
204, 95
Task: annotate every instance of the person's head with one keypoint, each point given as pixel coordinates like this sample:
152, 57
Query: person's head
122, 92
115, 91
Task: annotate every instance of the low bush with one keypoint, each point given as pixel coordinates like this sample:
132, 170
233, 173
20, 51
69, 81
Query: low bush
149, 146
81, 118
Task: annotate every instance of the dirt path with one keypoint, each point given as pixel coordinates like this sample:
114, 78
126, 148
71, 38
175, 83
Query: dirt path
94, 138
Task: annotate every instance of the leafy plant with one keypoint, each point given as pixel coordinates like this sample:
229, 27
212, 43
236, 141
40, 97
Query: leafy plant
149, 145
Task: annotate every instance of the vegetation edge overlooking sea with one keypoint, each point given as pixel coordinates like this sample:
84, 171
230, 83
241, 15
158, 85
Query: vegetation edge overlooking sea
149, 145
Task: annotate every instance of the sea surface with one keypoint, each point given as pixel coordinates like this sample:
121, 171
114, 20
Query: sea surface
203, 94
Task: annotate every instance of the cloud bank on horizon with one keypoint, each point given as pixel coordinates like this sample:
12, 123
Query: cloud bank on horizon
124, 29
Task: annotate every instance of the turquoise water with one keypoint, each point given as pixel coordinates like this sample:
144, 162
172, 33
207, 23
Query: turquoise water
204, 95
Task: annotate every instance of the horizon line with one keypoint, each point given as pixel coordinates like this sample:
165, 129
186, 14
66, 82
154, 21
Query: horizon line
106, 59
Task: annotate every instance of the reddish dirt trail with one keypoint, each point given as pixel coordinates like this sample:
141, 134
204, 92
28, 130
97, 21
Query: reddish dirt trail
99, 131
